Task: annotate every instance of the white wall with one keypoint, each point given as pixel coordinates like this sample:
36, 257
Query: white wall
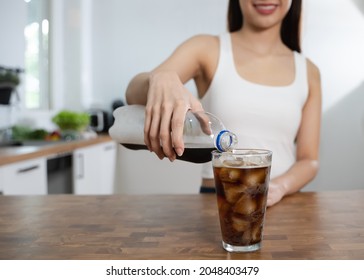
134, 36
12, 33
334, 39
12, 45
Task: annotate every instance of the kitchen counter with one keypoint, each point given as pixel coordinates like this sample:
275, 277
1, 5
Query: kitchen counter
18, 153
306, 225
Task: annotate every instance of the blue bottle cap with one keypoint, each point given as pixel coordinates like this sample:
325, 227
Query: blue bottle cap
221, 139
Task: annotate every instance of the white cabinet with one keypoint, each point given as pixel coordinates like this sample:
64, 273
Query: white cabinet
2, 176
93, 172
28, 177
94, 169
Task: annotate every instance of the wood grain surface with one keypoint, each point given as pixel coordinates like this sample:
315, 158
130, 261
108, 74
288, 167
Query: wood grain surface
307, 225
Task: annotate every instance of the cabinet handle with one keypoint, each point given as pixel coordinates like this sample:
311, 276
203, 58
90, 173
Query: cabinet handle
27, 169
108, 148
80, 174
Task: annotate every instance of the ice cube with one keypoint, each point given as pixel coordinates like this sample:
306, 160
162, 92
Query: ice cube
223, 206
249, 163
247, 237
262, 200
255, 177
233, 191
256, 232
231, 175
233, 163
240, 224
245, 205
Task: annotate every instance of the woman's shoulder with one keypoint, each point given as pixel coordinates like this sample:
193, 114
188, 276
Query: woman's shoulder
312, 68
313, 72
204, 50
198, 47
203, 40
313, 78
204, 47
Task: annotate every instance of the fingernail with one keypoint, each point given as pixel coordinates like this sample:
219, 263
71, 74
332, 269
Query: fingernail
171, 159
179, 152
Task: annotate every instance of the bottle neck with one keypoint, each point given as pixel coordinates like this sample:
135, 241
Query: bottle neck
225, 140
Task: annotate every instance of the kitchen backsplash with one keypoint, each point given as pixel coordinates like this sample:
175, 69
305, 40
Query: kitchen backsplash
10, 116
5, 117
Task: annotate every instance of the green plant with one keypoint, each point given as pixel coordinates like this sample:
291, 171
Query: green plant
70, 120
10, 76
21, 133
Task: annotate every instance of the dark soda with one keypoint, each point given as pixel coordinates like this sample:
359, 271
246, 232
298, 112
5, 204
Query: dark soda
241, 198
195, 155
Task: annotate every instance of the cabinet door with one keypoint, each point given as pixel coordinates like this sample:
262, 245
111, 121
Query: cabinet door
107, 167
27, 177
1, 180
94, 169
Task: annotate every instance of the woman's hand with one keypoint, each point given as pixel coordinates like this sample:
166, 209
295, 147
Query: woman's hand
275, 193
166, 98
167, 103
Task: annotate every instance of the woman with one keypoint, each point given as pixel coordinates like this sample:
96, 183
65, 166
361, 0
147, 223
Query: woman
254, 79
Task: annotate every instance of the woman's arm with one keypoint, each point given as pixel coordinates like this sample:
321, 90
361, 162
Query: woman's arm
308, 140
137, 90
167, 99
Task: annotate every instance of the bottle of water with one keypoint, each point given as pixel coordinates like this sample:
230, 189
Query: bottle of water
203, 133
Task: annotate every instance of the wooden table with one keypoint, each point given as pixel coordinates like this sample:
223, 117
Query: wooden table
327, 225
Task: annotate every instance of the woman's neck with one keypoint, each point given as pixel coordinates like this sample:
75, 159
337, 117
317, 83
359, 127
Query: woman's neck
261, 42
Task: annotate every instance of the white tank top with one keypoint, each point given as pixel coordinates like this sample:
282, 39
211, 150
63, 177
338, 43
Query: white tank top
266, 117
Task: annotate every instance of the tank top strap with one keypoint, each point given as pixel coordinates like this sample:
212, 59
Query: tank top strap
226, 56
301, 79
225, 41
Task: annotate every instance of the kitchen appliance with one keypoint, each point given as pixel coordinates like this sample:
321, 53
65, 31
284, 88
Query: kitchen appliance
59, 174
100, 120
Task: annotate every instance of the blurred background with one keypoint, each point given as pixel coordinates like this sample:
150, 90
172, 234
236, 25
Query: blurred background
81, 54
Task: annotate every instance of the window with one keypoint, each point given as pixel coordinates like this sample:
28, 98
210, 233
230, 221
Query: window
36, 34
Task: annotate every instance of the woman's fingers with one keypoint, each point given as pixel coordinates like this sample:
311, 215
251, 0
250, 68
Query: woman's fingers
167, 104
165, 133
151, 132
178, 119
147, 124
157, 131
154, 135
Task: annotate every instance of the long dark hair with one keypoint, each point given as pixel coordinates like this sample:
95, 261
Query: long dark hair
290, 30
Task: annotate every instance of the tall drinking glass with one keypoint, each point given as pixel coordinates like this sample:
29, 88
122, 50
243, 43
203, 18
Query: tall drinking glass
241, 180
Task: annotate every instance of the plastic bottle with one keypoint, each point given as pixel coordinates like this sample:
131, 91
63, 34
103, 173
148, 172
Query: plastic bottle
203, 133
